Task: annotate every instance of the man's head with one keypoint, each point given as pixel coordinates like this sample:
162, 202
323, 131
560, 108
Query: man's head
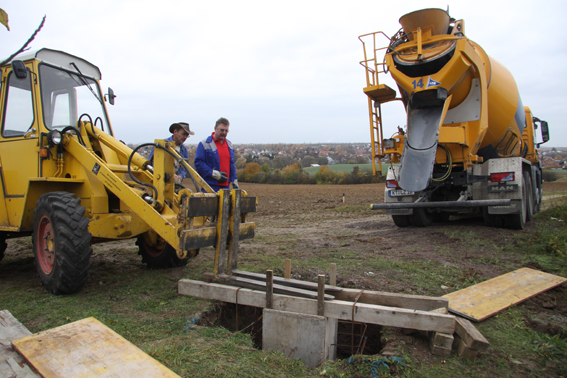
221, 129
181, 132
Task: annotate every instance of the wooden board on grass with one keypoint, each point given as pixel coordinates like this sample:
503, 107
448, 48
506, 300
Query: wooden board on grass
11, 363
487, 298
87, 348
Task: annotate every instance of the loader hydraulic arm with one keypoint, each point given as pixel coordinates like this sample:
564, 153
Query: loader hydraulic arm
187, 221
163, 224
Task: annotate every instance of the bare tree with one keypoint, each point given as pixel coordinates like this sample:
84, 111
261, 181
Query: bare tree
25, 46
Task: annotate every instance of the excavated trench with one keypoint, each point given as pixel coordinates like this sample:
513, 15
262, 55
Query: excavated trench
352, 339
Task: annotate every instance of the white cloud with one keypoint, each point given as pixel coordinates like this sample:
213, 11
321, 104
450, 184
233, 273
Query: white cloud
280, 71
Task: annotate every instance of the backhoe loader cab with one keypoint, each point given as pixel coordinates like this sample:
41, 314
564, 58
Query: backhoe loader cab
69, 183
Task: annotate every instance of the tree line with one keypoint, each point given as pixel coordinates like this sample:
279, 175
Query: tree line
294, 174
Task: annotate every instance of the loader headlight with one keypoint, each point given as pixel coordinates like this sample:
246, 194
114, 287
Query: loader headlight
54, 137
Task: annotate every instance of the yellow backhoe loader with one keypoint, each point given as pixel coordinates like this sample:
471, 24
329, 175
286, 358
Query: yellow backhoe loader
68, 182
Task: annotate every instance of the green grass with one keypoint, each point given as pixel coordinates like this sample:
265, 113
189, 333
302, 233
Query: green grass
143, 305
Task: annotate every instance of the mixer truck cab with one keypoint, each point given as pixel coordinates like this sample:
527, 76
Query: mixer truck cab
470, 143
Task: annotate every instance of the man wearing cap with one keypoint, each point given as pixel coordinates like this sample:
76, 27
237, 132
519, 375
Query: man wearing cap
214, 159
180, 132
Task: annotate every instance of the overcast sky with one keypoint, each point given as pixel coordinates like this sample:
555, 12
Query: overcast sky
281, 72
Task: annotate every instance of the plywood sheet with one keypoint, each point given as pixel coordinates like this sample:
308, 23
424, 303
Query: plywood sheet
87, 348
487, 298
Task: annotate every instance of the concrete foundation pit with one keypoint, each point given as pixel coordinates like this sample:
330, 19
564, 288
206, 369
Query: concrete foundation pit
352, 339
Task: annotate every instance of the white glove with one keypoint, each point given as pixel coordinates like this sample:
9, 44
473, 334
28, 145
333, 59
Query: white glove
235, 184
216, 175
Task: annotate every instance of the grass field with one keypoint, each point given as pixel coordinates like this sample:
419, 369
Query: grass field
312, 226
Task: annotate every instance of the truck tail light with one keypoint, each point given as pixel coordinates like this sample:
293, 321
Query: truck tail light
392, 184
389, 143
502, 177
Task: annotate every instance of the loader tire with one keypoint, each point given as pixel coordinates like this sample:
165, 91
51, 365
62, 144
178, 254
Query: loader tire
401, 220
61, 243
159, 256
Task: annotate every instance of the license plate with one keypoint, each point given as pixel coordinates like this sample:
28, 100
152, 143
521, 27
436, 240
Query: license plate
399, 193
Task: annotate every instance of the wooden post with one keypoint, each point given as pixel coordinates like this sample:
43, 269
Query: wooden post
333, 274
321, 295
287, 272
269, 288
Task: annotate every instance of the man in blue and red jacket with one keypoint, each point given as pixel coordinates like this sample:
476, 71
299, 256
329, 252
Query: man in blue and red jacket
214, 159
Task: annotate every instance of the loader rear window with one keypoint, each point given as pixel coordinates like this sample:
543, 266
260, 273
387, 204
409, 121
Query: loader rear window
19, 115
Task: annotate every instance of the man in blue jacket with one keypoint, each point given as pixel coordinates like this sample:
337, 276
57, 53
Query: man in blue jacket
180, 132
214, 159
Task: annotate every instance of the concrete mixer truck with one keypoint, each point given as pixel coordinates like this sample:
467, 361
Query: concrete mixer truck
469, 145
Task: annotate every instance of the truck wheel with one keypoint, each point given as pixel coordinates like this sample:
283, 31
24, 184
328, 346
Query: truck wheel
539, 198
61, 242
539, 194
421, 218
401, 220
529, 196
158, 254
518, 221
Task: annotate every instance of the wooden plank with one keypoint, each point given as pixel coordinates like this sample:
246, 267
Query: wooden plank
439, 351
487, 298
333, 274
87, 348
440, 339
11, 363
287, 269
261, 285
10, 327
463, 350
360, 312
287, 281
269, 289
321, 295
19, 370
470, 335
416, 302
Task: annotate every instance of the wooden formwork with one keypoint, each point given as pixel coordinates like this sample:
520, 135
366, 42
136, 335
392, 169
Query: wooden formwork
414, 312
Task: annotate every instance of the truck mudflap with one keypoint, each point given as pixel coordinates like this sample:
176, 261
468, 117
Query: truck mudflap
515, 207
415, 205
